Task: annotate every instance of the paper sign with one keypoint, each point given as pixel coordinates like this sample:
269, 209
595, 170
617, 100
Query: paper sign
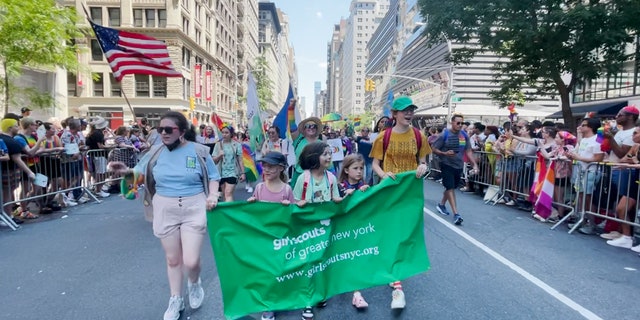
41, 131
41, 180
336, 149
71, 148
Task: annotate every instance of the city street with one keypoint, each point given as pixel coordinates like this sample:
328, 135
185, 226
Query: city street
102, 262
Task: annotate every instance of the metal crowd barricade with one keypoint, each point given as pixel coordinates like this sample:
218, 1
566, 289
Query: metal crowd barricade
602, 189
86, 173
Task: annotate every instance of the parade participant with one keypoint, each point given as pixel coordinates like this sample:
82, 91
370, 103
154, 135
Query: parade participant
181, 183
228, 155
364, 143
451, 146
398, 149
351, 179
273, 189
275, 143
315, 184
310, 133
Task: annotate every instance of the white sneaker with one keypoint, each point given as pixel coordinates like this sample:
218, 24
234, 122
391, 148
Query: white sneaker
611, 235
83, 199
622, 242
68, 202
176, 305
636, 248
196, 294
397, 299
103, 194
105, 188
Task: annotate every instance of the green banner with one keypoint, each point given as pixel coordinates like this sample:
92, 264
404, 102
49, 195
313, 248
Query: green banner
276, 257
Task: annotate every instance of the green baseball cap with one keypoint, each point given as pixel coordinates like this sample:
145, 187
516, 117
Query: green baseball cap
403, 102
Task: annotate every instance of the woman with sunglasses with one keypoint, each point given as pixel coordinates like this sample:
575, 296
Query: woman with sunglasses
181, 181
228, 155
308, 132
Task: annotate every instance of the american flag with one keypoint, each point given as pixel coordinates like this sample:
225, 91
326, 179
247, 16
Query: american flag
134, 53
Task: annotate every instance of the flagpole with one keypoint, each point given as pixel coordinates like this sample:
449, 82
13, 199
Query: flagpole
129, 104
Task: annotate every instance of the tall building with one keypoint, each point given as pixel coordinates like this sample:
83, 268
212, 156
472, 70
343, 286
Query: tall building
317, 103
364, 18
333, 67
247, 52
202, 39
401, 63
273, 44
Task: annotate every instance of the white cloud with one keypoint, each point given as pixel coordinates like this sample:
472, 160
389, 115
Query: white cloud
319, 14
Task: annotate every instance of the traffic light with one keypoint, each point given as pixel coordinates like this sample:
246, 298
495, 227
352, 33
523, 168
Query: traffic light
369, 85
372, 85
192, 103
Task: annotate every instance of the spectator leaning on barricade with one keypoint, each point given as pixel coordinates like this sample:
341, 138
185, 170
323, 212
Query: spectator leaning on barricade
584, 176
633, 161
13, 168
51, 166
525, 165
625, 179
565, 143
30, 145
73, 163
97, 156
398, 149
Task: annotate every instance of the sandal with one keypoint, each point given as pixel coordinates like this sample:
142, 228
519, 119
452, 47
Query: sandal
538, 217
28, 215
358, 301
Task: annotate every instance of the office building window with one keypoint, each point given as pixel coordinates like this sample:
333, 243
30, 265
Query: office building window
186, 57
116, 87
98, 85
185, 25
72, 85
159, 87
96, 14
114, 17
162, 18
142, 85
150, 15
186, 88
137, 18
96, 51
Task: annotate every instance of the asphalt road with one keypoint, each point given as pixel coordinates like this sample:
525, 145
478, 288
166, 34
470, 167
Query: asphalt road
101, 261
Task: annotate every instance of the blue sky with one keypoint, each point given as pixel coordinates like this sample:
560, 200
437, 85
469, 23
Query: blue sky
310, 28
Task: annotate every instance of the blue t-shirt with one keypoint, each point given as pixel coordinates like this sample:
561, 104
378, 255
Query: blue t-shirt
178, 173
458, 142
3, 147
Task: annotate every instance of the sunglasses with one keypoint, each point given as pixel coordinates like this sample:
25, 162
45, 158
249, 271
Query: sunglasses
311, 126
167, 130
458, 123
272, 132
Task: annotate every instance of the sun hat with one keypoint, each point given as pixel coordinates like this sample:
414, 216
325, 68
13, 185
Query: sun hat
402, 102
99, 122
315, 120
274, 158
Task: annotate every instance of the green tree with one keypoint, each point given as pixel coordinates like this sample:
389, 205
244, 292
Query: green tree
37, 34
264, 85
543, 40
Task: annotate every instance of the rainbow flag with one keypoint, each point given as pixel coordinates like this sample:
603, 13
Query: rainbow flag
543, 205
252, 170
605, 144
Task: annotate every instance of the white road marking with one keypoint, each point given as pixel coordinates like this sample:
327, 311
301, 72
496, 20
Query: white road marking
586, 313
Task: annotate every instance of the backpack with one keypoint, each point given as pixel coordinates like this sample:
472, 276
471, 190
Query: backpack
445, 136
387, 138
307, 178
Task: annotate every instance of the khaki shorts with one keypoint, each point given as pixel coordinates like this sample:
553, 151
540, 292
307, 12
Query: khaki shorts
184, 214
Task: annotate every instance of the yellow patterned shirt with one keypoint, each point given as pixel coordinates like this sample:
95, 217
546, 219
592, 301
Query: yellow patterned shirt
401, 153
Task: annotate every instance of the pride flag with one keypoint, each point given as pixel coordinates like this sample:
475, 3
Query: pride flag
541, 172
543, 205
252, 170
605, 144
285, 120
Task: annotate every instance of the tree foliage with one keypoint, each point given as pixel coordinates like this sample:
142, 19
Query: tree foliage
36, 34
541, 39
264, 85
